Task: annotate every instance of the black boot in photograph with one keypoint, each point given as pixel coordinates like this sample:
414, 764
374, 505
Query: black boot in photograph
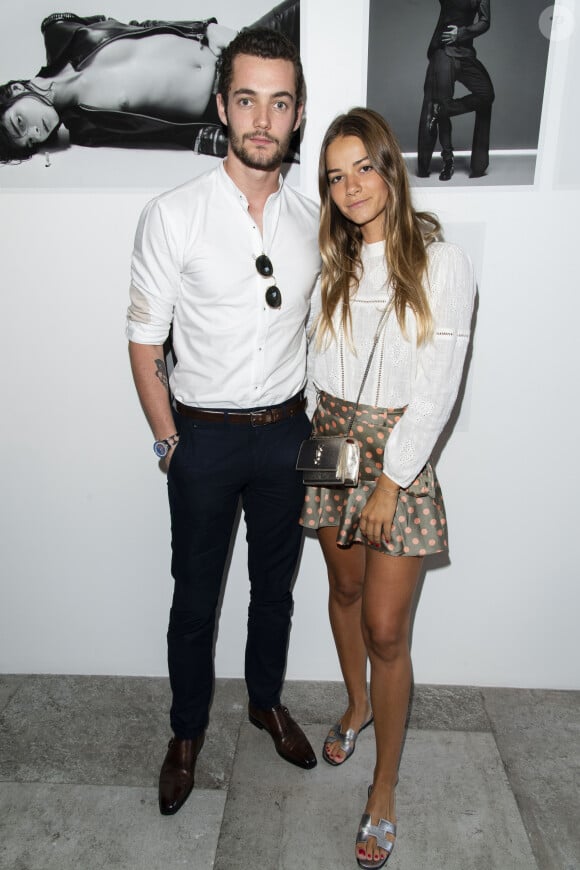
447, 171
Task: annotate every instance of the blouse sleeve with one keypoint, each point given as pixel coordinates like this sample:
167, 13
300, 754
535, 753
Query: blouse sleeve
315, 309
439, 365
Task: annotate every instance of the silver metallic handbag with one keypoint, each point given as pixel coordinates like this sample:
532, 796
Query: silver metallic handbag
334, 460
329, 460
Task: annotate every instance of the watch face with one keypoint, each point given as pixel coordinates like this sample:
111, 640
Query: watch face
161, 449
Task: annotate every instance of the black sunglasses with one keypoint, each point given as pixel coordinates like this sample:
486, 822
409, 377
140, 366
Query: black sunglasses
265, 268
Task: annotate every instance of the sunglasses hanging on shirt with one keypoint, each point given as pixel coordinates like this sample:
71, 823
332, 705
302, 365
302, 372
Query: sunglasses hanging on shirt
264, 266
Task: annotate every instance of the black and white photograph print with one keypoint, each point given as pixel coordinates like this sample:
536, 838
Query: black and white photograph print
566, 30
93, 98
462, 84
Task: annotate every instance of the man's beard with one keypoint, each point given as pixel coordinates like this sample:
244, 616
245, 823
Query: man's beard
266, 161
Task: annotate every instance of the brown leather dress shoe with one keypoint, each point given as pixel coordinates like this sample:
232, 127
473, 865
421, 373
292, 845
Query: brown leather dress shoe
289, 739
177, 773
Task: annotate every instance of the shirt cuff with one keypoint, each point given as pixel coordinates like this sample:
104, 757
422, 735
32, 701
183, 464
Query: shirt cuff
145, 333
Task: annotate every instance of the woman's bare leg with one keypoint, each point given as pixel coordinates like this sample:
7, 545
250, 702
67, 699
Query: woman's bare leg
346, 568
389, 587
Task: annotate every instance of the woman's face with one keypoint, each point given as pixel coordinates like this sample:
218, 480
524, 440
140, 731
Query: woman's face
29, 121
356, 188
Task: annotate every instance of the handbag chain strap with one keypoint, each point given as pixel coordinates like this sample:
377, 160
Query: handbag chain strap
378, 331
368, 366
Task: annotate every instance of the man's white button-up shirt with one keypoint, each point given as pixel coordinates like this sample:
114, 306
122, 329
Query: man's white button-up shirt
194, 267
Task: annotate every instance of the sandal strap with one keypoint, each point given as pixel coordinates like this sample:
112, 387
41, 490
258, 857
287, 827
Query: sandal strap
346, 738
379, 832
334, 734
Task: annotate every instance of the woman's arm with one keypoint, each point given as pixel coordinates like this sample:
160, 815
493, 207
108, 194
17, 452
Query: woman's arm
219, 37
439, 367
315, 307
439, 370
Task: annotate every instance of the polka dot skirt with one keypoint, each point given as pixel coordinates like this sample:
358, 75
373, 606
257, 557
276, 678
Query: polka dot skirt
419, 525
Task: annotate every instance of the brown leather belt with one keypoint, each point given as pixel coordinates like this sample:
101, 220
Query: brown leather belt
260, 417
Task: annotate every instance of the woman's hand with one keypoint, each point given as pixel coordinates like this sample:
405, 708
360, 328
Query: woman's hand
377, 515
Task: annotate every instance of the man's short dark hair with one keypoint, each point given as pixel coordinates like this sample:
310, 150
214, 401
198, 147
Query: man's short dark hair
259, 42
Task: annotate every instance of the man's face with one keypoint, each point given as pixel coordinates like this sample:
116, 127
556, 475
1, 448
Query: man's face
261, 112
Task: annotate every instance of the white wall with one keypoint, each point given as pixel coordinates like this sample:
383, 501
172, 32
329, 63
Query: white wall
84, 537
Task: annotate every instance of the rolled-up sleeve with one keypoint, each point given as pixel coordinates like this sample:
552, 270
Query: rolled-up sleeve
440, 364
155, 278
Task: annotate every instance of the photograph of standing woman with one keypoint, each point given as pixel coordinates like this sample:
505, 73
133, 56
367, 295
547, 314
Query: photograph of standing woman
384, 272
452, 58
442, 72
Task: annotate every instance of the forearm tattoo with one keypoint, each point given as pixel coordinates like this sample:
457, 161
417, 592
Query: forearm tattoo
161, 372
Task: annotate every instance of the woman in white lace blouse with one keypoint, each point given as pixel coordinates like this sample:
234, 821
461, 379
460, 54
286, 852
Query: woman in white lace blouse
379, 253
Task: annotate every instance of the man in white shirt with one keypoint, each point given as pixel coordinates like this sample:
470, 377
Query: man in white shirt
229, 260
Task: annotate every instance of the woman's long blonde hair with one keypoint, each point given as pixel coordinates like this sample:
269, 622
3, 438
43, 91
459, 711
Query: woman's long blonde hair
407, 232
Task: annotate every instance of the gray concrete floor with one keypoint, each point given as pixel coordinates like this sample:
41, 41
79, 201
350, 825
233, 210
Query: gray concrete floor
489, 779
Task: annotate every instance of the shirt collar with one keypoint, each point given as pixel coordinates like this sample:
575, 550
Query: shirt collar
240, 196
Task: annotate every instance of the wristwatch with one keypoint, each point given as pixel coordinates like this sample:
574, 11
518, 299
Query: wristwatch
162, 448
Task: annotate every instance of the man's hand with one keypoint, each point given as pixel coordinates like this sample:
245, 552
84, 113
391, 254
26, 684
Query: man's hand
166, 461
449, 35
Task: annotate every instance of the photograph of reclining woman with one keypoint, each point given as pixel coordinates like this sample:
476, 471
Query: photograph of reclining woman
105, 82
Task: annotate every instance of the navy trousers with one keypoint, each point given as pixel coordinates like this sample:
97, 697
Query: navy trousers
213, 466
442, 74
